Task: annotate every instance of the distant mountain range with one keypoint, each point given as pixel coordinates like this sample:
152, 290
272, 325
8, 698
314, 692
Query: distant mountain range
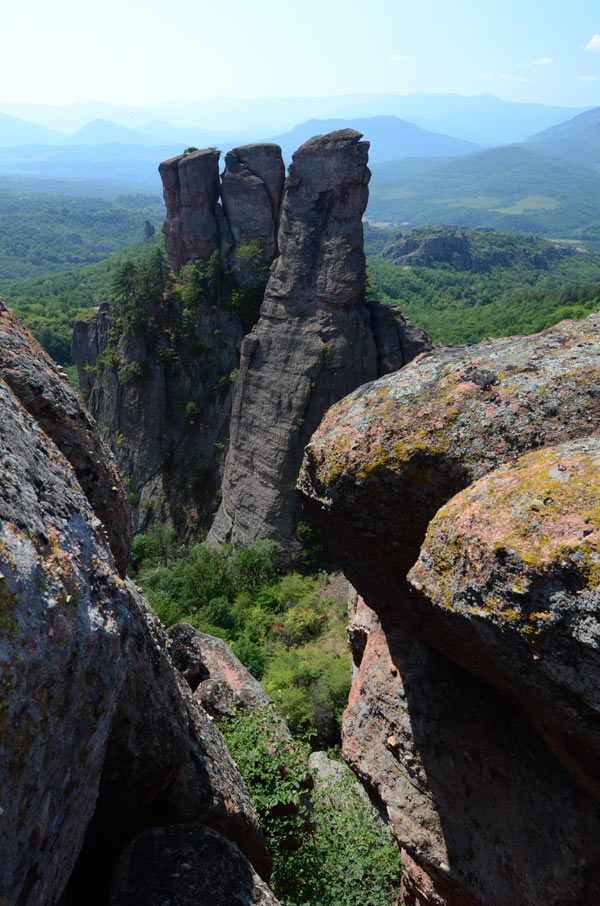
483, 119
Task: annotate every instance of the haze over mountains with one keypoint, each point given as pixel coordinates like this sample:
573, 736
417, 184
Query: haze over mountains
435, 158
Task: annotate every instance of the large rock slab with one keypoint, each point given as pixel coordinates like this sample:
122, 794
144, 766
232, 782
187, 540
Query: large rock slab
482, 809
43, 389
314, 342
186, 865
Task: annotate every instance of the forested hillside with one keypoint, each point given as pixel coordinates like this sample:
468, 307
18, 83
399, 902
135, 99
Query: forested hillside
40, 234
509, 188
483, 283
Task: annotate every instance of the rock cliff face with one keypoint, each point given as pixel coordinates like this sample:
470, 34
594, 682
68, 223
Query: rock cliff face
163, 403
315, 340
461, 495
99, 737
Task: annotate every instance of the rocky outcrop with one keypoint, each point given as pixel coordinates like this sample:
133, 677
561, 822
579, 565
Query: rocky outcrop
43, 390
164, 408
460, 495
314, 341
477, 250
191, 193
251, 190
185, 865
219, 681
99, 737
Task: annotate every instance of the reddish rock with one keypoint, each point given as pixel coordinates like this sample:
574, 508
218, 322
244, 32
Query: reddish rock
219, 681
43, 389
483, 811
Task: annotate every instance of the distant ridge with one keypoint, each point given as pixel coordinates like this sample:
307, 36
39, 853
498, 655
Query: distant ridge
14, 131
577, 140
390, 138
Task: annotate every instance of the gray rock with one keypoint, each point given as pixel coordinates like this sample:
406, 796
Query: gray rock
191, 193
186, 865
313, 343
251, 189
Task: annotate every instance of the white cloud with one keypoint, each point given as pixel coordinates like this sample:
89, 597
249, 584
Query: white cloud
520, 65
594, 44
399, 57
484, 76
544, 61
588, 78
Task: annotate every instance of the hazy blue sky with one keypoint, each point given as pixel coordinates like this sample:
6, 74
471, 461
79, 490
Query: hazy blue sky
139, 51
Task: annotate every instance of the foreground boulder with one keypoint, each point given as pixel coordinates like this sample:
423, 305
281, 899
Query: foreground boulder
99, 737
186, 865
315, 341
461, 496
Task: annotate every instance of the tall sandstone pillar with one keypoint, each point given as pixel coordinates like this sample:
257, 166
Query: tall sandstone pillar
314, 343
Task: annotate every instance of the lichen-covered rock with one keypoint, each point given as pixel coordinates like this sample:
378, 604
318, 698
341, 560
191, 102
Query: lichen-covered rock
43, 389
314, 341
483, 811
186, 865
63, 629
389, 455
219, 681
508, 581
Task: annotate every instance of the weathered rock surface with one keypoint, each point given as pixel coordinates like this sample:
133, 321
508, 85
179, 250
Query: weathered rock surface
512, 567
391, 454
313, 343
455, 493
186, 865
99, 737
168, 425
251, 190
43, 389
219, 681
191, 193
483, 811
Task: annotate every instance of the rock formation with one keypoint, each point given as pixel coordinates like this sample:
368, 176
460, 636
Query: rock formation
219, 681
164, 401
99, 737
461, 496
315, 340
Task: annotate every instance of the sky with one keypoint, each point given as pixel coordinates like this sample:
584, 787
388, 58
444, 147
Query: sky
146, 51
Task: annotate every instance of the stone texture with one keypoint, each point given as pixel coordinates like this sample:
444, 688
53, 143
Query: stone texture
219, 681
251, 189
168, 428
389, 455
473, 719
483, 811
63, 623
99, 736
43, 389
186, 865
508, 582
191, 193
313, 343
